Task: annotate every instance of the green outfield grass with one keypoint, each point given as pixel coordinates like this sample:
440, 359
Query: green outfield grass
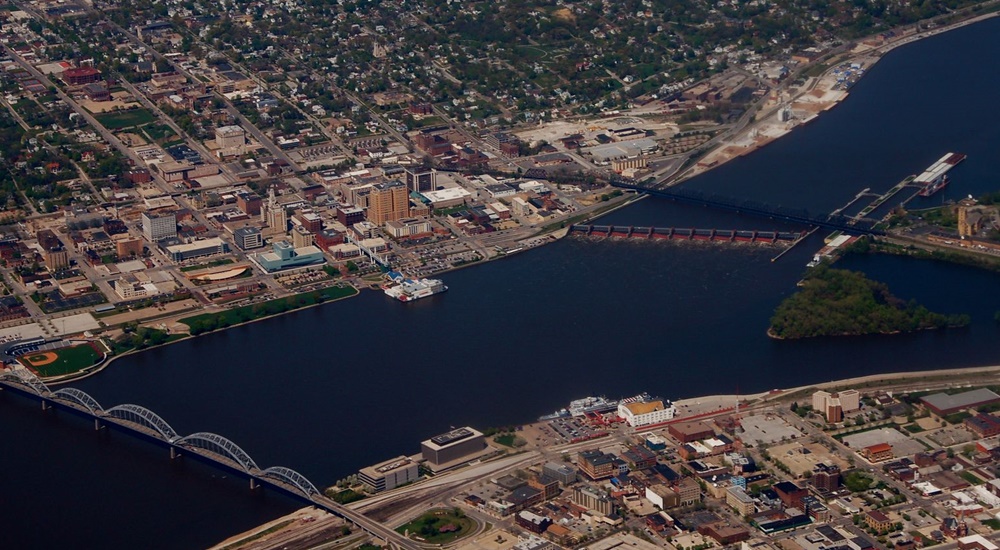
125, 119
68, 360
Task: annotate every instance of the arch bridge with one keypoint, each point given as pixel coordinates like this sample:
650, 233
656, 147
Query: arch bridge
140, 420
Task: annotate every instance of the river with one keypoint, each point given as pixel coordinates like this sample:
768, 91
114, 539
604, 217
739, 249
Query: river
328, 390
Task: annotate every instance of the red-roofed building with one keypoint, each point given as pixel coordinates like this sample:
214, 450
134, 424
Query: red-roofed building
878, 453
81, 75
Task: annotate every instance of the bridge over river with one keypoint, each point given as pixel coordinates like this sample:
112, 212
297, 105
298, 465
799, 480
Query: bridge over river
855, 225
205, 446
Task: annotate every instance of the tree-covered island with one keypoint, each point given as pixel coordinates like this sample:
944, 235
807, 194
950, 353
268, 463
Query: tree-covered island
838, 302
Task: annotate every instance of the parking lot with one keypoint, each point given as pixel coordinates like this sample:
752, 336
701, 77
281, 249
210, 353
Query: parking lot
570, 428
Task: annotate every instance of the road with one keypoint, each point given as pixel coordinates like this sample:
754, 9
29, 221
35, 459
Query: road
191, 142
247, 125
44, 80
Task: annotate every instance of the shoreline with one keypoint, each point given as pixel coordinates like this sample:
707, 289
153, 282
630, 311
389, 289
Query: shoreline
188, 336
873, 54
549, 236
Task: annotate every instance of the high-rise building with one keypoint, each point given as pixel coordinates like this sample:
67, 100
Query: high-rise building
420, 179
388, 201
834, 405
301, 237
275, 215
248, 238
53, 251
826, 477
157, 227
230, 137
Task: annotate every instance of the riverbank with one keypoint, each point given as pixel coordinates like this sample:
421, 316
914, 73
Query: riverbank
817, 95
183, 337
699, 406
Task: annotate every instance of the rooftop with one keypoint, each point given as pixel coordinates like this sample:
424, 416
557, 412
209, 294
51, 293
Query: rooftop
452, 437
645, 407
945, 402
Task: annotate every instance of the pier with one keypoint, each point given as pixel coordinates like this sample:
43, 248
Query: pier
686, 234
884, 198
207, 447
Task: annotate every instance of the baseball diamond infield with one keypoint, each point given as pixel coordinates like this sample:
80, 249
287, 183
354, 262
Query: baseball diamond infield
61, 361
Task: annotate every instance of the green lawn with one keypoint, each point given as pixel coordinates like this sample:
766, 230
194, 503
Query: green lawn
157, 132
210, 321
125, 119
438, 527
71, 359
531, 53
505, 439
970, 477
856, 481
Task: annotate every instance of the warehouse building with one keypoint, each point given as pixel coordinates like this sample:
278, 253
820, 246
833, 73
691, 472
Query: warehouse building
943, 404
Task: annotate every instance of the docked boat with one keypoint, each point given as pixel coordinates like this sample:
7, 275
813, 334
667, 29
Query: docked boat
935, 187
580, 407
407, 290
935, 177
561, 413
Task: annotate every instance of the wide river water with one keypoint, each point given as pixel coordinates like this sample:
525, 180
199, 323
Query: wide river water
331, 389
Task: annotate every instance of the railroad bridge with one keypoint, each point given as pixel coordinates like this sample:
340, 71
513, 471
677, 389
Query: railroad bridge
835, 221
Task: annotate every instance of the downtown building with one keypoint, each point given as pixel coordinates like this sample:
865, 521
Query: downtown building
159, 227
389, 474
388, 201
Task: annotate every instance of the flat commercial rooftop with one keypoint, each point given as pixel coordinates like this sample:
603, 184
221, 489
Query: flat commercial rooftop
451, 193
767, 428
623, 540
951, 403
901, 443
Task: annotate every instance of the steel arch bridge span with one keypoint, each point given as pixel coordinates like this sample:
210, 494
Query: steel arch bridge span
81, 398
24, 378
219, 445
290, 476
144, 417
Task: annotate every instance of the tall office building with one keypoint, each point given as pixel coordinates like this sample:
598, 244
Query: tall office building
275, 215
388, 201
419, 179
54, 254
157, 227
